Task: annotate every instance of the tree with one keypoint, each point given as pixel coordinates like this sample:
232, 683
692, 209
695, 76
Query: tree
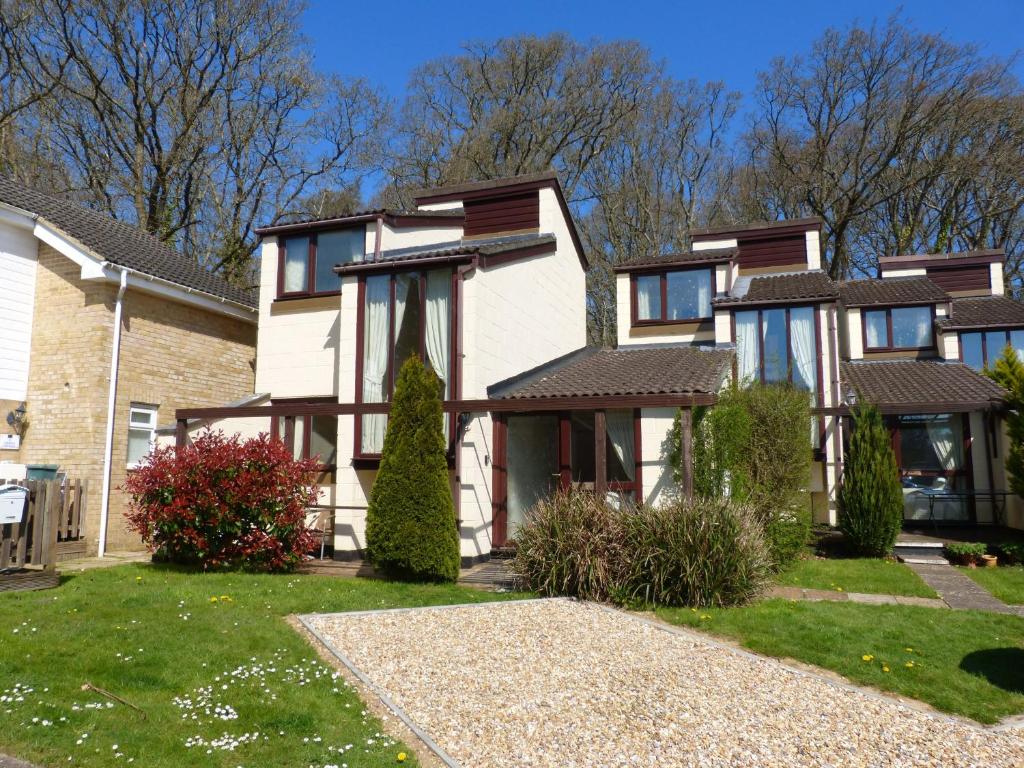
411, 530
1008, 372
852, 126
870, 497
195, 120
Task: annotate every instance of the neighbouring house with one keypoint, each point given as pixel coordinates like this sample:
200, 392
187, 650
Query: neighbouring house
486, 283
103, 331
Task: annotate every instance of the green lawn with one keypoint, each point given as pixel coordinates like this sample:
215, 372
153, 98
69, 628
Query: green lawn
883, 577
965, 662
1005, 582
152, 635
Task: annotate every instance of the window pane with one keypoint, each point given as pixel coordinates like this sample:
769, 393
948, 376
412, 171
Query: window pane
323, 438
877, 329
376, 325
296, 264
621, 458
581, 447
138, 444
995, 343
970, 350
804, 348
407, 318
532, 463
141, 418
912, 327
748, 360
333, 248
648, 297
773, 335
1017, 342
688, 294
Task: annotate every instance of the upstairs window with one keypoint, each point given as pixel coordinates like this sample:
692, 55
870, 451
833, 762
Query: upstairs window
672, 297
898, 328
981, 349
402, 314
774, 345
306, 262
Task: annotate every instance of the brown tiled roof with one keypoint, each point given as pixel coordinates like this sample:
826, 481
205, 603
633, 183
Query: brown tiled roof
492, 246
684, 259
455, 215
623, 371
919, 382
794, 286
983, 312
485, 184
122, 244
992, 254
891, 291
738, 229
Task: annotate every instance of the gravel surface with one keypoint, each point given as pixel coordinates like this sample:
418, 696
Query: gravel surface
558, 683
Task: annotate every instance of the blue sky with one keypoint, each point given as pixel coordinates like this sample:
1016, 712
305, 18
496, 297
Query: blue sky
721, 40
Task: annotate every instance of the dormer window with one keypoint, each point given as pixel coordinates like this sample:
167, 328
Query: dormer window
676, 296
306, 262
899, 328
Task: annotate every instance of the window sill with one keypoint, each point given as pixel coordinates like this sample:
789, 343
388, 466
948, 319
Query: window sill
681, 321
305, 296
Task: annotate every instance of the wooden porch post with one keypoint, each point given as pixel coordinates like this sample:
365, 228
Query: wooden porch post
289, 432
181, 433
600, 453
686, 450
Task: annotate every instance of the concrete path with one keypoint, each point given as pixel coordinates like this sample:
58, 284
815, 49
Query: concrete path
958, 591
826, 595
108, 561
11, 762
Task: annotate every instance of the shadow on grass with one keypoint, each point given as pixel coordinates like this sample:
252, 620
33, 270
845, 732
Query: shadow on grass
1002, 667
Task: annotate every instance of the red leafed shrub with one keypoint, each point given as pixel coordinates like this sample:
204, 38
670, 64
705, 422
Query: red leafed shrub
224, 502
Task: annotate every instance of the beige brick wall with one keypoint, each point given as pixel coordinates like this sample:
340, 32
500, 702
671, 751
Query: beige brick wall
172, 356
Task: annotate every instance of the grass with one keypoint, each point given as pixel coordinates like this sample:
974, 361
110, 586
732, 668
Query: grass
1005, 582
964, 662
150, 634
874, 576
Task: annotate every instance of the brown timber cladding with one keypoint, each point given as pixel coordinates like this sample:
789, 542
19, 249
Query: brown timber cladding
975, 278
767, 253
508, 213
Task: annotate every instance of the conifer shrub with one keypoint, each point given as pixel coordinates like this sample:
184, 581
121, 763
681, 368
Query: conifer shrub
870, 498
411, 531
225, 502
753, 446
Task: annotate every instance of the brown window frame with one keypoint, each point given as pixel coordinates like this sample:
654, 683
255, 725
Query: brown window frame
984, 332
311, 288
455, 364
662, 274
818, 374
307, 432
889, 330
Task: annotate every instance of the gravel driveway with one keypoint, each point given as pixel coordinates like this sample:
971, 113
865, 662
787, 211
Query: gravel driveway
559, 683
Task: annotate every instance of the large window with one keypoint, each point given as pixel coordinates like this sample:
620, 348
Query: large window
777, 345
981, 349
306, 262
141, 429
403, 314
314, 436
898, 328
672, 297
930, 453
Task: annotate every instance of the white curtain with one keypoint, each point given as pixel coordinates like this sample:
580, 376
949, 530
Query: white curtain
296, 263
620, 430
648, 297
801, 330
375, 359
946, 443
877, 329
438, 329
746, 345
923, 331
704, 294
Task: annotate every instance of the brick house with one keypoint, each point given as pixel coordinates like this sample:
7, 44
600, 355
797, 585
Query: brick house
486, 282
103, 331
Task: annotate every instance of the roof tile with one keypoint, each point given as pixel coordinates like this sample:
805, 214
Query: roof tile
891, 291
122, 244
984, 312
910, 382
792, 286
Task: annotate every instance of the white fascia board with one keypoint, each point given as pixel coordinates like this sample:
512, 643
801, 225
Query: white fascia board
95, 268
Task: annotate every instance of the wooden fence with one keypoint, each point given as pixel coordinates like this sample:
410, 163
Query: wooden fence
52, 528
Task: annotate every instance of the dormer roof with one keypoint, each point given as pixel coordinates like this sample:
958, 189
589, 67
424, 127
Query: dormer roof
681, 260
781, 289
891, 291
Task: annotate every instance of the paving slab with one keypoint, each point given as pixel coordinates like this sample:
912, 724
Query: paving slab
959, 591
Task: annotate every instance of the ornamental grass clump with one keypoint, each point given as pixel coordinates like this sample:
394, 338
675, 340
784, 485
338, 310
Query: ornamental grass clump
225, 502
571, 545
695, 552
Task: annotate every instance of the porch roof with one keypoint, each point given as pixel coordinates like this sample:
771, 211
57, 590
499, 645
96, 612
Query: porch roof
983, 312
923, 386
622, 372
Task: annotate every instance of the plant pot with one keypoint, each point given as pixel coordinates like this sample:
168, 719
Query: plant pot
989, 561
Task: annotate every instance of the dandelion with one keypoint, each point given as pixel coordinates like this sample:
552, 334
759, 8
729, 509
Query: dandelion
867, 657
885, 668
909, 665
909, 650
213, 599
704, 616
401, 757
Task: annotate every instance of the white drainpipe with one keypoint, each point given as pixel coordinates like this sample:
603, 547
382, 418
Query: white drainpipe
111, 400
